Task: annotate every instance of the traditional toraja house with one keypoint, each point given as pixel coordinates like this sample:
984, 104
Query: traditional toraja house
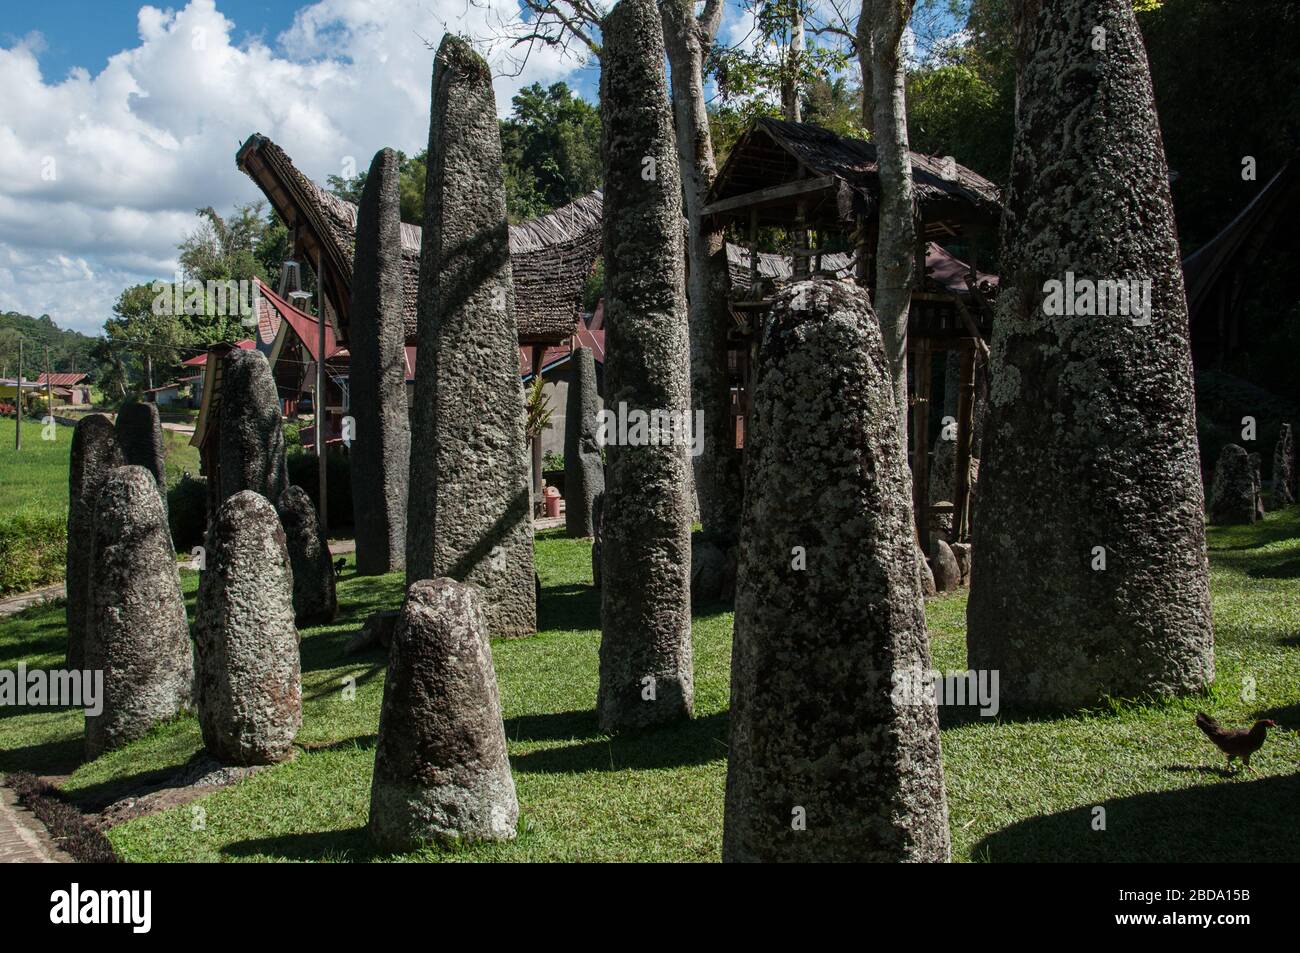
823, 191
552, 255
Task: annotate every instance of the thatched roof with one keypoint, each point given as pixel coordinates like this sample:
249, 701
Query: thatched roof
773, 152
552, 255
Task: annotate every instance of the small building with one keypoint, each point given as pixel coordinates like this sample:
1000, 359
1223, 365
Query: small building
74, 382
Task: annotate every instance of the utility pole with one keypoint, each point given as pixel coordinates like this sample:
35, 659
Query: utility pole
18, 400
49, 388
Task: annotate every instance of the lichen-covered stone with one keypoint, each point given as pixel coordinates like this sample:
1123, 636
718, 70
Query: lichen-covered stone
314, 598
826, 762
251, 443
139, 434
468, 511
945, 568
1232, 495
943, 480
441, 771
250, 680
381, 450
1257, 482
95, 453
137, 632
1284, 485
1091, 435
646, 668
584, 471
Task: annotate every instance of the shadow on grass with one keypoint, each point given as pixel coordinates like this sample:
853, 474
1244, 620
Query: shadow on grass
572, 607
51, 757
350, 844
1276, 569
1229, 821
698, 741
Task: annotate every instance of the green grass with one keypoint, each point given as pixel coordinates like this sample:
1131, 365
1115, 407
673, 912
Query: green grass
1018, 788
35, 478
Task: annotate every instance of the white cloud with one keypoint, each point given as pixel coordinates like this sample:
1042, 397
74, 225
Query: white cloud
100, 174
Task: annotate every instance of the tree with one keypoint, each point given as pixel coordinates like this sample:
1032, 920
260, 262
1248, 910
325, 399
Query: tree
551, 145
155, 334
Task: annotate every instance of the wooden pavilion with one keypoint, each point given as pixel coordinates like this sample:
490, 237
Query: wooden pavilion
822, 191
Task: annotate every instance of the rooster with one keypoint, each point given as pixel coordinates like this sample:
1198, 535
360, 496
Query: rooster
1235, 743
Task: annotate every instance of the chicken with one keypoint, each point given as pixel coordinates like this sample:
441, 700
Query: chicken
339, 564
1235, 742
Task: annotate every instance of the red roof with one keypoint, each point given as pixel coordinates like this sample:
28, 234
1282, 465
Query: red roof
200, 359
304, 325
62, 379
560, 352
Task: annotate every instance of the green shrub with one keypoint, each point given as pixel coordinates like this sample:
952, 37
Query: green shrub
33, 550
338, 474
187, 508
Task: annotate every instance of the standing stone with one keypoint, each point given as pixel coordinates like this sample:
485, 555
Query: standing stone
646, 669
945, 568
1284, 468
381, 450
826, 761
251, 445
943, 480
314, 600
95, 452
1091, 435
1232, 495
469, 515
584, 472
137, 635
441, 771
139, 433
250, 683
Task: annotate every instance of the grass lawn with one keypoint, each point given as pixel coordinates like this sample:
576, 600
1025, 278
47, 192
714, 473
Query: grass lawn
35, 478
1018, 788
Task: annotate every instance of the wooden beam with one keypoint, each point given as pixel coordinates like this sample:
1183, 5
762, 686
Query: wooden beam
921, 371
774, 193
965, 430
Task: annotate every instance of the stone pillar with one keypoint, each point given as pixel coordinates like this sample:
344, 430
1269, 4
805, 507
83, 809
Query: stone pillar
381, 450
646, 669
250, 683
827, 761
252, 435
95, 453
441, 771
468, 514
314, 600
139, 433
137, 635
584, 472
1284, 468
1090, 443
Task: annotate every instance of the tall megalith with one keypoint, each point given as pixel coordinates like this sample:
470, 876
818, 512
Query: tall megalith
468, 512
251, 442
584, 471
381, 450
137, 632
827, 761
646, 667
1234, 494
441, 771
1090, 474
95, 452
250, 679
139, 433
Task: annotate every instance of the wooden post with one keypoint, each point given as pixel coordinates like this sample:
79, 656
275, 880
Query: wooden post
798, 254
921, 363
18, 400
321, 318
965, 429
49, 389
753, 253
539, 502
